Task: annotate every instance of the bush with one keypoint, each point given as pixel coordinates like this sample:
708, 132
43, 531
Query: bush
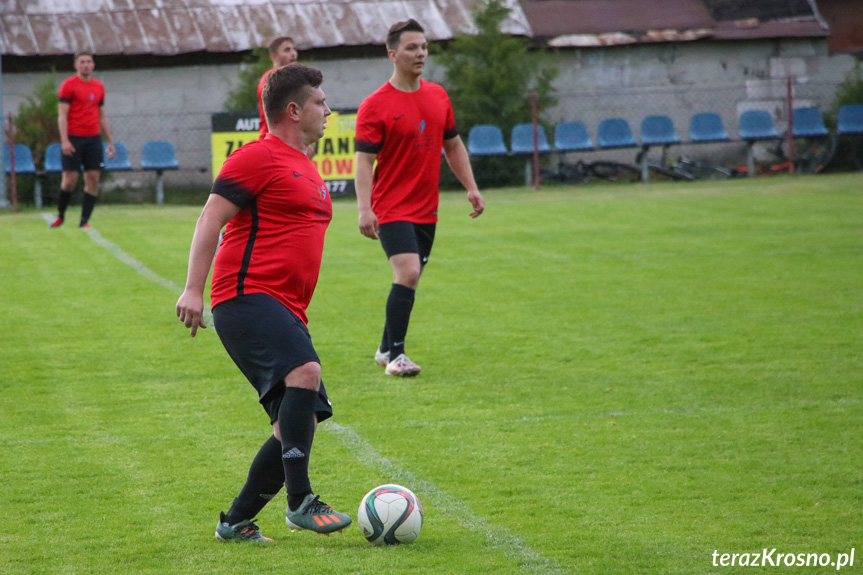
849, 151
244, 96
489, 77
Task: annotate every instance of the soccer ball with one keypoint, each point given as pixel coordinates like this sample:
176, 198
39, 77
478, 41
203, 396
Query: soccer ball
390, 514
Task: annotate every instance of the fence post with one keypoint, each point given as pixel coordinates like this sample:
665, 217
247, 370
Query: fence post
10, 139
534, 119
789, 104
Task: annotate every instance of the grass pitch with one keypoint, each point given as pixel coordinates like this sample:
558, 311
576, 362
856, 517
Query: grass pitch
616, 379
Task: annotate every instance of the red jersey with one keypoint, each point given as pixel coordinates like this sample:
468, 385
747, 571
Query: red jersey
275, 242
406, 130
263, 126
84, 99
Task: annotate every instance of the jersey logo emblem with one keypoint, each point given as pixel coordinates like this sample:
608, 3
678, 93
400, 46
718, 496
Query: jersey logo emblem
324, 192
397, 118
297, 174
422, 127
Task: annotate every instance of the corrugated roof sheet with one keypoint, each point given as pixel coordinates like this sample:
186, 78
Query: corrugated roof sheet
169, 27
585, 23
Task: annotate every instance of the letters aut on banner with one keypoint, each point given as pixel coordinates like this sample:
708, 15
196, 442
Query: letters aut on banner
334, 153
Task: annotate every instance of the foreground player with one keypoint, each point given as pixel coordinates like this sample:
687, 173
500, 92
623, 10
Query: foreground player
403, 126
277, 209
80, 119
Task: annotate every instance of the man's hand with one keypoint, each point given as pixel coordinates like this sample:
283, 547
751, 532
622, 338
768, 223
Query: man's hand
369, 224
190, 310
67, 148
111, 151
475, 199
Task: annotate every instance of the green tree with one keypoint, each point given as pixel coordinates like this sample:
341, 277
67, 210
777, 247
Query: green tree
244, 96
36, 121
849, 151
489, 77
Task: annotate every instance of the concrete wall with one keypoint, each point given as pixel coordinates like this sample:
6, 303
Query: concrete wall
633, 81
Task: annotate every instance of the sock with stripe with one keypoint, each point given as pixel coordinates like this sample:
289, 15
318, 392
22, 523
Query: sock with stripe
297, 428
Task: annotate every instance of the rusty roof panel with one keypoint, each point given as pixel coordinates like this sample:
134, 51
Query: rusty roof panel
17, 35
103, 34
211, 29
158, 34
48, 35
184, 30
131, 34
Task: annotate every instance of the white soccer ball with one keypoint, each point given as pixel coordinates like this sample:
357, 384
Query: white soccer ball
390, 514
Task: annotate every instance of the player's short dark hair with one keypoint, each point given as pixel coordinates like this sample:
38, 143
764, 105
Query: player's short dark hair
394, 36
276, 43
288, 84
80, 53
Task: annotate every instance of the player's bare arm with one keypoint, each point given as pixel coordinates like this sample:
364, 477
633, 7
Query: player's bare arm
105, 130
63, 126
216, 213
368, 221
459, 162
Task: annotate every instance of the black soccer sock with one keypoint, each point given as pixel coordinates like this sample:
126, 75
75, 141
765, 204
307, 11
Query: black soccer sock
266, 478
63, 203
399, 305
297, 427
385, 340
87, 207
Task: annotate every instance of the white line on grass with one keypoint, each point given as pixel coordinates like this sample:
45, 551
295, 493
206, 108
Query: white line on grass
501, 540
512, 547
124, 257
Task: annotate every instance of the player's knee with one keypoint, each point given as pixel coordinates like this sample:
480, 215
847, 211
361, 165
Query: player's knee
307, 376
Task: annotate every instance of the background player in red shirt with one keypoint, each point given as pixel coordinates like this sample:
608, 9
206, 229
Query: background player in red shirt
403, 126
81, 119
282, 51
276, 208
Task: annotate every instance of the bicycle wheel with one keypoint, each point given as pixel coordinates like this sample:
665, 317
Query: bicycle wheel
614, 171
811, 155
703, 170
670, 172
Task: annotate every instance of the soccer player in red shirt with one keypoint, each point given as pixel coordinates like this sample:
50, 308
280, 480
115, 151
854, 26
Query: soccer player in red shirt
81, 119
403, 125
276, 208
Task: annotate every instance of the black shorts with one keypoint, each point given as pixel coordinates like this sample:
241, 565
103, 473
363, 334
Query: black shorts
267, 341
407, 238
87, 154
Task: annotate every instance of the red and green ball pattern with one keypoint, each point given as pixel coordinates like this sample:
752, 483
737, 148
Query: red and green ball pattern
381, 533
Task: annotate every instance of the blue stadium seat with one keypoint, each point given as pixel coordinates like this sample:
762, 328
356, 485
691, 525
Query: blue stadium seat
120, 161
756, 125
53, 162
522, 139
808, 123
850, 120
23, 159
707, 127
572, 137
159, 155
615, 133
658, 131
485, 140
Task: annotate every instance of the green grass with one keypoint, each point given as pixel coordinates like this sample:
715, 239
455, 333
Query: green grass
616, 379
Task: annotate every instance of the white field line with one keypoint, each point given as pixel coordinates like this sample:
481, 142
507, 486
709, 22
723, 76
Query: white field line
127, 259
499, 539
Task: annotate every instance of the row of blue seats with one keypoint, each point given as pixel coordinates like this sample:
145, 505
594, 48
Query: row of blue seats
704, 127
156, 155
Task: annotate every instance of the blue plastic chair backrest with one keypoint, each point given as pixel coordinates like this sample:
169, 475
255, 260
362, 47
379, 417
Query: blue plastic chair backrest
756, 125
121, 157
485, 140
707, 127
158, 155
808, 123
572, 137
615, 133
658, 131
23, 159
850, 119
522, 139
53, 161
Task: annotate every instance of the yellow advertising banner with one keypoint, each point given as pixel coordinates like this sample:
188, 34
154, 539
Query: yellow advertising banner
334, 153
